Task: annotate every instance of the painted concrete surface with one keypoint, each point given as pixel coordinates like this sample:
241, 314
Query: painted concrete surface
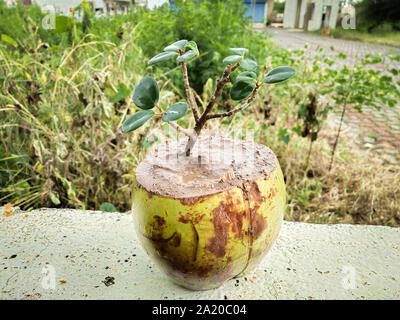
72, 254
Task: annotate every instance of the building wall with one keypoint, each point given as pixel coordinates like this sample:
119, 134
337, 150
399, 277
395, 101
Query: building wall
62, 7
302, 13
269, 8
316, 20
289, 19
334, 14
289, 15
155, 3
256, 9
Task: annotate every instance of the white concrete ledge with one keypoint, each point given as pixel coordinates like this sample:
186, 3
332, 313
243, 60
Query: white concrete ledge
99, 257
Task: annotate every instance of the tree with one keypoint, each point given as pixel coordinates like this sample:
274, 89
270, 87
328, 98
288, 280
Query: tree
372, 13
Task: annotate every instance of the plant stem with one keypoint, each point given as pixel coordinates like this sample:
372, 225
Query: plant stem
218, 90
203, 119
177, 127
189, 94
337, 135
309, 154
237, 109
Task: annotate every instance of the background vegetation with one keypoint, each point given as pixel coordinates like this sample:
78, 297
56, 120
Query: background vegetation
63, 99
376, 21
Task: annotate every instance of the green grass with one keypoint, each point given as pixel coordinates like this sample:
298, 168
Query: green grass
391, 38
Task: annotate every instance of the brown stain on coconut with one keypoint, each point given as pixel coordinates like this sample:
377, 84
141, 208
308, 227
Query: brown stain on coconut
185, 218
150, 194
190, 218
163, 246
192, 275
227, 215
160, 222
160, 240
254, 192
189, 201
176, 241
258, 223
273, 192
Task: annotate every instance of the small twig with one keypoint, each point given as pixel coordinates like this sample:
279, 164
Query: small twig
337, 136
189, 93
237, 109
199, 99
203, 119
177, 127
308, 155
226, 106
218, 90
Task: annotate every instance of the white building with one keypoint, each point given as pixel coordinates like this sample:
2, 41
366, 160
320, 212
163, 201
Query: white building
300, 14
311, 15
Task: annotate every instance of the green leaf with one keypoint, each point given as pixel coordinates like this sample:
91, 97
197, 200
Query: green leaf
187, 56
242, 89
54, 198
146, 93
136, 120
122, 93
232, 59
249, 65
192, 45
239, 51
9, 40
163, 56
250, 74
178, 45
279, 74
63, 23
107, 207
283, 135
176, 111
247, 75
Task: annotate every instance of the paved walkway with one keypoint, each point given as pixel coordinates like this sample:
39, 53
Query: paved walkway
377, 132
72, 254
353, 49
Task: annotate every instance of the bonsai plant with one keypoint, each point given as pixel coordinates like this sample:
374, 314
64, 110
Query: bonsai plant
206, 209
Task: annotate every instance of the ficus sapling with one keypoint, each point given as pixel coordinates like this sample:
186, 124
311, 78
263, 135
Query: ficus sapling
244, 89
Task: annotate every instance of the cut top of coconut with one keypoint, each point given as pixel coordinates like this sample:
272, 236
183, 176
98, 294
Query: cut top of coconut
216, 164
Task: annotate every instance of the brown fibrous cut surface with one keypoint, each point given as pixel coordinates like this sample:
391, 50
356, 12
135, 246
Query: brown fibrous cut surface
216, 164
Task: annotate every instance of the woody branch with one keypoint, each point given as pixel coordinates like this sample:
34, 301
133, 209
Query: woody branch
237, 109
189, 93
217, 93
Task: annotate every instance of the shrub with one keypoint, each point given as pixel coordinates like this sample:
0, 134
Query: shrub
59, 110
371, 14
24, 20
216, 26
